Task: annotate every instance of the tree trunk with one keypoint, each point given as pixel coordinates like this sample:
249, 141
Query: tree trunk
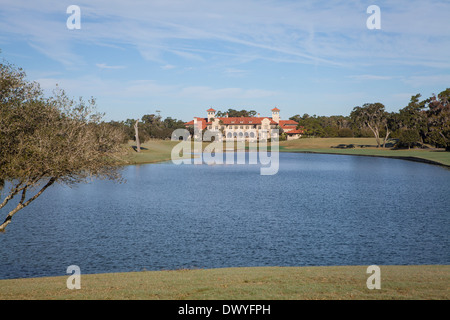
22, 203
375, 133
386, 137
138, 143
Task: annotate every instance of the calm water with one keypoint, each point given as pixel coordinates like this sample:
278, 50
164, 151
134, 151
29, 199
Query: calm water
318, 210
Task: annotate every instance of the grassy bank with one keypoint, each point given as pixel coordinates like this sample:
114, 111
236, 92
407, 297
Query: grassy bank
151, 152
277, 283
325, 145
160, 150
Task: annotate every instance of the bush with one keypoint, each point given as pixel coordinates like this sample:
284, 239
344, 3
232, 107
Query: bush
408, 138
345, 132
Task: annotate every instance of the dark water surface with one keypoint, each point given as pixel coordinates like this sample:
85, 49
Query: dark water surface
318, 210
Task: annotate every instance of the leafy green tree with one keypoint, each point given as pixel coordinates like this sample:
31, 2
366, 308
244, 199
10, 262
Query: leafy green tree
372, 116
438, 119
236, 113
345, 132
151, 119
331, 131
408, 137
413, 117
323, 126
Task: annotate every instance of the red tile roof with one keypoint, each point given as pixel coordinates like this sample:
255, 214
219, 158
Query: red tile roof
295, 131
275, 109
234, 120
245, 120
210, 110
203, 122
287, 123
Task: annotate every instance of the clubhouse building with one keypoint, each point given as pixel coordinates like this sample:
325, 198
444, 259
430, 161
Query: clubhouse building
248, 128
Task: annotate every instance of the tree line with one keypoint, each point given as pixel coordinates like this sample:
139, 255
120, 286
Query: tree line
420, 122
150, 126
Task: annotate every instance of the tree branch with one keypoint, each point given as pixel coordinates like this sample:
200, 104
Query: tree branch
12, 194
23, 204
18, 188
49, 183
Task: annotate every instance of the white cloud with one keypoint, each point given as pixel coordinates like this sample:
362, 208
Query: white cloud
403, 97
208, 93
95, 86
105, 66
418, 81
233, 72
308, 32
147, 88
369, 77
168, 67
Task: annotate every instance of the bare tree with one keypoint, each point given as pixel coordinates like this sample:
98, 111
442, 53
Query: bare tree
391, 123
136, 130
372, 116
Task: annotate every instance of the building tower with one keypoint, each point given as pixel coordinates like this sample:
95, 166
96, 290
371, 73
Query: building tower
211, 114
276, 114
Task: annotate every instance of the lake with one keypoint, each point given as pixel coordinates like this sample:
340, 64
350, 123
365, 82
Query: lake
318, 210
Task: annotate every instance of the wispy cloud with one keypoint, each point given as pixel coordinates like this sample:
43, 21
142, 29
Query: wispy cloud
168, 67
306, 32
437, 79
145, 88
105, 66
233, 72
293, 51
208, 93
370, 77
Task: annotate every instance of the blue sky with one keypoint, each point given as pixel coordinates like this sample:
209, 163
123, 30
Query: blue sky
183, 57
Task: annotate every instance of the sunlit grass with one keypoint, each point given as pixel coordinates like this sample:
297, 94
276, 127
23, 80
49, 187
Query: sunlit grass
324, 145
277, 283
160, 150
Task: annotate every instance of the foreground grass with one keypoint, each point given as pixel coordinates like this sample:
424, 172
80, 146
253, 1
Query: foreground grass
274, 283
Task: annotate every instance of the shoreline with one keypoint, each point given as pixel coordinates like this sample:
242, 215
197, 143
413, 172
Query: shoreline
158, 151
410, 158
318, 151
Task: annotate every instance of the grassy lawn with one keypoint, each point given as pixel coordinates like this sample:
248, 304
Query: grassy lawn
277, 283
160, 150
151, 152
324, 145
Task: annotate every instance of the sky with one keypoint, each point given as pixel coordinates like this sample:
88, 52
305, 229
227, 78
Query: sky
181, 57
